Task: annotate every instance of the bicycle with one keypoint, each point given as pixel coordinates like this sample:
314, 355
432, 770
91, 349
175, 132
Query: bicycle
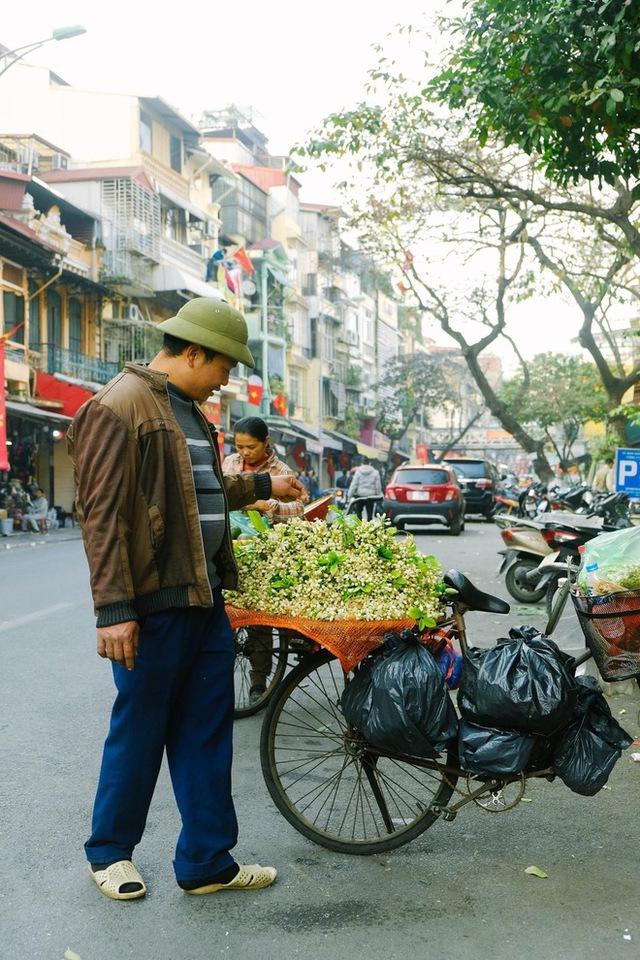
348, 796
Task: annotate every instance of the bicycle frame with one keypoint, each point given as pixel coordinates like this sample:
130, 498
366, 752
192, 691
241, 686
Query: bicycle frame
493, 785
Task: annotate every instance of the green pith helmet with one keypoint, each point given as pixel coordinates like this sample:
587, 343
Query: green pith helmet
214, 324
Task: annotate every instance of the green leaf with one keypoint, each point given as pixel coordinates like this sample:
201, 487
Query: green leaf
257, 521
385, 552
425, 622
536, 872
616, 95
414, 612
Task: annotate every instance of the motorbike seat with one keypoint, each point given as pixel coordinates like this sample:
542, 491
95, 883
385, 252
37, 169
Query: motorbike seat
473, 598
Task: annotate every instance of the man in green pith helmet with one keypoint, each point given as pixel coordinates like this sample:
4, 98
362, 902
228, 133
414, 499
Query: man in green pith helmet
153, 505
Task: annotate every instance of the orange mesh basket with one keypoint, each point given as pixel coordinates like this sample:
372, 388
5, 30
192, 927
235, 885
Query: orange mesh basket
348, 640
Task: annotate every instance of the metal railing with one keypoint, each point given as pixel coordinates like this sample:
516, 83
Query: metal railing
70, 363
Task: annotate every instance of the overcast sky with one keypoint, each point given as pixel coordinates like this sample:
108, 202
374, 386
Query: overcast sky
294, 62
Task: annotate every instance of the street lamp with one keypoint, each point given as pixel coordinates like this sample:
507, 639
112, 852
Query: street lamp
60, 33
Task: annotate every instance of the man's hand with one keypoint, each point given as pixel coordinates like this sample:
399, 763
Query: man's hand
288, 488
119, 643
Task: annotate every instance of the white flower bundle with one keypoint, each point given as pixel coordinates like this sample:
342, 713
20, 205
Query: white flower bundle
349, 570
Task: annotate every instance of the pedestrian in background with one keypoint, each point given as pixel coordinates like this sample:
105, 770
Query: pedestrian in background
604, 479
36, 517
153, 505
365, 488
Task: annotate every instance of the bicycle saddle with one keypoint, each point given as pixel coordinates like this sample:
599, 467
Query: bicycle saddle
472, 597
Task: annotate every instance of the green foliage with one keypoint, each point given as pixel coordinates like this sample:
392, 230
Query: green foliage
562, 392
411, 385
559, 78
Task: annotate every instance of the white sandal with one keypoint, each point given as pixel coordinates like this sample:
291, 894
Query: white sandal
249, 877
112, 879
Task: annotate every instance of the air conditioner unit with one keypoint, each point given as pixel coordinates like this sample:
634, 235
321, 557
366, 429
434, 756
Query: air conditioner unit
132, 312
59, 161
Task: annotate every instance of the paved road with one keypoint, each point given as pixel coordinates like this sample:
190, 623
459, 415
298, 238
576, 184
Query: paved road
456, 893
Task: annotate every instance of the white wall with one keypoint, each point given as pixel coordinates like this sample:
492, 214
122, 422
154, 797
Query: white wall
90, 126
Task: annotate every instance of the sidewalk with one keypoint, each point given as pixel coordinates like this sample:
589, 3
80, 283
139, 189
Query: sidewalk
28, 539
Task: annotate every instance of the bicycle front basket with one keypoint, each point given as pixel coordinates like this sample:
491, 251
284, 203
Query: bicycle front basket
611, 626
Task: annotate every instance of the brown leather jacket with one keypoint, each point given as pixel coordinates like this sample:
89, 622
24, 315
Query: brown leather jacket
136, 501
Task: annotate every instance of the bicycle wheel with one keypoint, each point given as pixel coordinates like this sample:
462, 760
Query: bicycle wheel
325, 780
252, 642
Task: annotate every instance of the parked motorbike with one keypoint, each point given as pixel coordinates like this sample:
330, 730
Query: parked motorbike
565, 534
525, 548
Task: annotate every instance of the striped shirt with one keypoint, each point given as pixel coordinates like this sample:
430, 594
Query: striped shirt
211, 501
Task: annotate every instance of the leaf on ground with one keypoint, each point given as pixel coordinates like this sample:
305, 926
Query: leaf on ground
536, 872
526, 610
526, 800
621, 713
71, 955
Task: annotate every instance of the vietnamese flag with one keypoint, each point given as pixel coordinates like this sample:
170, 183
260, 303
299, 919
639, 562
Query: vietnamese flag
280, 404
244, 260
255, 390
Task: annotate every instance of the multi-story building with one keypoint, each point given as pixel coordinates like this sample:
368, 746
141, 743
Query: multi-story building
50, 314
141, 168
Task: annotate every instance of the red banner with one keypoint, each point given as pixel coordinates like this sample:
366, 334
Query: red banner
4, 459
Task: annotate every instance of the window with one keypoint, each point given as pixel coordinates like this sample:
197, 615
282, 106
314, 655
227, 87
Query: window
75, 327
13, 306
470, 468
294, 386
176, 154
421, 476
146, 136
35, 335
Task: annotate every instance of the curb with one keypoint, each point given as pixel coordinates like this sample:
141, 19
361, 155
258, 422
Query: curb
16, 541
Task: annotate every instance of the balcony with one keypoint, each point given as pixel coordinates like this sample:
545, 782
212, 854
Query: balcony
180, 255
76, 365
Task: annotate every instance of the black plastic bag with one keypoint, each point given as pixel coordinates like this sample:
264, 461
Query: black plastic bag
398, 699
520, 684
591, 746
497, 752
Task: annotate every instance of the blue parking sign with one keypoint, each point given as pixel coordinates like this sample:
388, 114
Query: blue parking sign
627, 472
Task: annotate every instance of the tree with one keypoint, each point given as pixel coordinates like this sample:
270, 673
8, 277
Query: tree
561, 394
559, 78
422, 166
411, 386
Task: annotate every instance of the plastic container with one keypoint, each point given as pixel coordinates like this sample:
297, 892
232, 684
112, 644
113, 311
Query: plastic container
590, 579
6, 527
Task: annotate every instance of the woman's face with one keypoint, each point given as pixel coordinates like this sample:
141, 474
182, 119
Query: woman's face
250, 448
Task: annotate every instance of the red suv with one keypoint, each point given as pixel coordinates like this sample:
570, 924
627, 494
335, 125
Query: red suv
425, 494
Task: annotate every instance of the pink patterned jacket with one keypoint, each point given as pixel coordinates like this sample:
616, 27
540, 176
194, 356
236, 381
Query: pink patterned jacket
279, 511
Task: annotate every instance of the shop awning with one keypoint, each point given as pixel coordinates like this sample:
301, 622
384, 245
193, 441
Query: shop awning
35, 413
329, 442
168, 277
348, 443
371, 452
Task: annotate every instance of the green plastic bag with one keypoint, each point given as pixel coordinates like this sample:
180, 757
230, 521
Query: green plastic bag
617, 555
245, 524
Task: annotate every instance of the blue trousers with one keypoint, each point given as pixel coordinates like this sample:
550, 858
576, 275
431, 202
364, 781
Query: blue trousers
179, 697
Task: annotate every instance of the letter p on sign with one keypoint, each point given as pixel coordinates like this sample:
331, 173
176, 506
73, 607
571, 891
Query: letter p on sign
626, 470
